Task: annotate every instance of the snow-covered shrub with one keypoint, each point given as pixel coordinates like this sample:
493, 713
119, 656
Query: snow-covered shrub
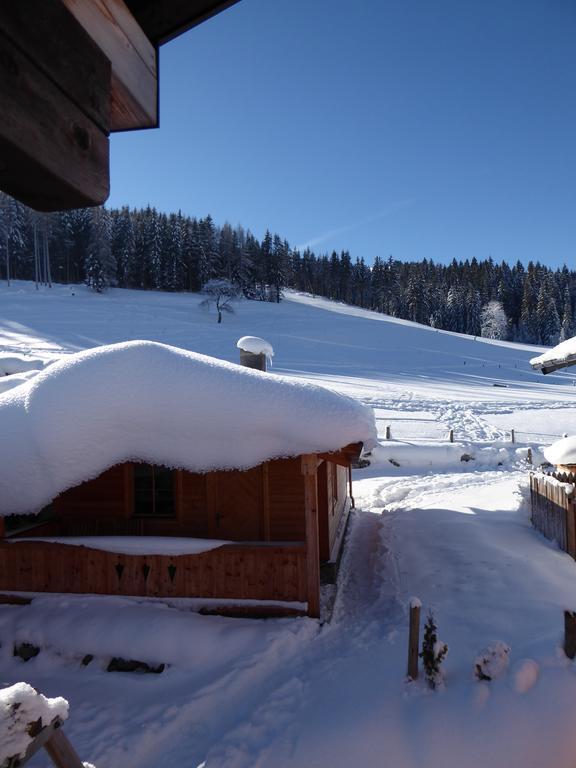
433, 653
492, 662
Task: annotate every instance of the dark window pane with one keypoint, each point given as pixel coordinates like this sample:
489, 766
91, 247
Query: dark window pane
143, 489
153, 491
164, 492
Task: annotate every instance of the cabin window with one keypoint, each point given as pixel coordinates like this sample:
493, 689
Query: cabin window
153, 491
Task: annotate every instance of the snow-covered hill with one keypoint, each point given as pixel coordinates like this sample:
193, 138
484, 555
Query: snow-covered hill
455, 533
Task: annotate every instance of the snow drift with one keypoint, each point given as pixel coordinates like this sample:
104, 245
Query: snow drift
156, 403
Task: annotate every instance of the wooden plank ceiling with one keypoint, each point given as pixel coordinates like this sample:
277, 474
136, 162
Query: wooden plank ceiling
165, 20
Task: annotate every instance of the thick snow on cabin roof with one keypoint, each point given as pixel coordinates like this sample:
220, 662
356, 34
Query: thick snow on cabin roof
561, 355
151, 402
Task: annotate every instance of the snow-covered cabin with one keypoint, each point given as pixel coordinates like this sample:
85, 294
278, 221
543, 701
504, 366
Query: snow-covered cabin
144, 469
563, 355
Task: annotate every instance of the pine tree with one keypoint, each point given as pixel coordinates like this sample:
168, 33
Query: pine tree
567, 324
433, 653
547, 314
98, 264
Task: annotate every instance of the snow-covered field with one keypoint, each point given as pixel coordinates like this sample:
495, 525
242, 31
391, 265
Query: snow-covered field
291, 692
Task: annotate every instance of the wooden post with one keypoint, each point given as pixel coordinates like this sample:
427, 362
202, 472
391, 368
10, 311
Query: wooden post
451, 435
309, 470
571, 526
513, 436
529, 456
414, 639
388, 432
61, 752
570, 634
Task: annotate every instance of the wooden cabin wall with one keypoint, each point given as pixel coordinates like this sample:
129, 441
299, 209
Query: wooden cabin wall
332, 498
105, 496
286, 500
265, 503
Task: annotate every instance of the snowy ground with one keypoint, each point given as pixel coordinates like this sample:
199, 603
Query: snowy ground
239, 694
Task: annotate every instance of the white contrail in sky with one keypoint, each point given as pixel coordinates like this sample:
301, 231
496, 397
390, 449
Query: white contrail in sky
389, 211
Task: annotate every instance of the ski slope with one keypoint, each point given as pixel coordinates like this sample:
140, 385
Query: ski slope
456, 534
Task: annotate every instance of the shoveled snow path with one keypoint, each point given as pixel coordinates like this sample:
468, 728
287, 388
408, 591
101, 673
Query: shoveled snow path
473, 571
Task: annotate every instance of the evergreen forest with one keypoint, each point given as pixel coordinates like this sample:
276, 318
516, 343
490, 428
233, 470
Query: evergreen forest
147, 249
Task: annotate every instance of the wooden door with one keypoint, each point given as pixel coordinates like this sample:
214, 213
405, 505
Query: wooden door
237, 505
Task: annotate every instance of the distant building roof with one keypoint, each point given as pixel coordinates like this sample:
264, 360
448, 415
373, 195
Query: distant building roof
145, 401
562, 355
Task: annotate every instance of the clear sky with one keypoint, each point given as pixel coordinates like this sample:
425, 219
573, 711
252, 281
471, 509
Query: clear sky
413, 128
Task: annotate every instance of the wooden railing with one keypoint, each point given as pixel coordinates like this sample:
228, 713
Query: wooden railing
554, 509
248, 571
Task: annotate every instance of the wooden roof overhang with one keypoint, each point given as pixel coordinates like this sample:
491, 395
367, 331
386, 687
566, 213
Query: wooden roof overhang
555, 365
71, 72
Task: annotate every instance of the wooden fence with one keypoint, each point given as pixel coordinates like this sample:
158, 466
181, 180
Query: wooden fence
554, 509
248, 571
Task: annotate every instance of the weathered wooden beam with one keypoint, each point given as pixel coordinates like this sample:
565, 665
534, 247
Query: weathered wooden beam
163, 21
70, 58
61, 751
345, 456
309, 470
52, 156
133, 60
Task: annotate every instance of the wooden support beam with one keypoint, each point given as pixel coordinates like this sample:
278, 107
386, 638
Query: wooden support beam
266, 501
309, 470
53, 153
70, 59
61, 751
345, 456
133, 59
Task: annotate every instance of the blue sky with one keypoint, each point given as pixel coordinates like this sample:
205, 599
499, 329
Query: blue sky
409, 128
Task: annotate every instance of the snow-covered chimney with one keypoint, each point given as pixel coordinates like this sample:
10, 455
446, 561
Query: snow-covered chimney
255, 352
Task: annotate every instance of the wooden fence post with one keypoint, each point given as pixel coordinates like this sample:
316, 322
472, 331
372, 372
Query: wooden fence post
61, 751
570, 634
513, 436
388, 432
414, 639
451, 435
529, 456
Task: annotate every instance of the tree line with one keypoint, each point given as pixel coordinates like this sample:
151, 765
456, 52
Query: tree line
147, 249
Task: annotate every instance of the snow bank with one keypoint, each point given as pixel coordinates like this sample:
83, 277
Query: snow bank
434, 455
10, 364
255, 345
146, 630
15, 379
146, 401
562, 451
560, 355
134, 545
21, 705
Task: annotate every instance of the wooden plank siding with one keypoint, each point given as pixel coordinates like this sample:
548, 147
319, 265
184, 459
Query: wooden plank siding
553, 510
253, 572
284, 517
